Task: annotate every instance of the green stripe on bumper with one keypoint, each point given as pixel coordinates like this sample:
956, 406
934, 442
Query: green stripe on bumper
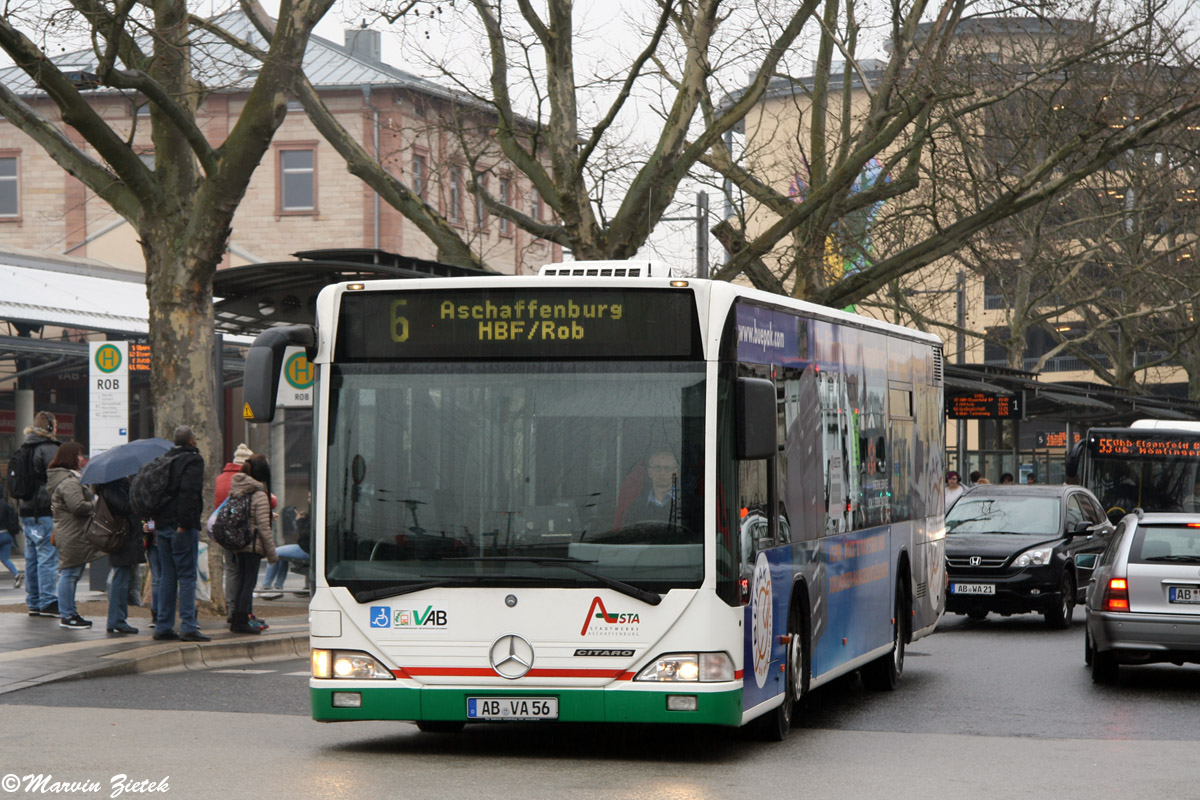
574, 705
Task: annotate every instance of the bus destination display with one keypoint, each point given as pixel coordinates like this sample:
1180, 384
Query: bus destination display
1135, 446
982, 405
525, 323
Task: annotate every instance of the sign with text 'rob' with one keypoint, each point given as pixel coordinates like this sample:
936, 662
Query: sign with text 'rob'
295, 381
108, 395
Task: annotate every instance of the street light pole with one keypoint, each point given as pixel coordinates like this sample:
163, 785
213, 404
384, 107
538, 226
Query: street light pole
960, 353
960, 358
701, 220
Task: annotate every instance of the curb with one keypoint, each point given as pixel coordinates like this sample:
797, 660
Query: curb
195, 656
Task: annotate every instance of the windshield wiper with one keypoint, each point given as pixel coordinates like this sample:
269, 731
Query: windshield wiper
1175, 559
651, 598
367, 595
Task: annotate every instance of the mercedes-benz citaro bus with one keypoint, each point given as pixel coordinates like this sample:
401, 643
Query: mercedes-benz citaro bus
606, 494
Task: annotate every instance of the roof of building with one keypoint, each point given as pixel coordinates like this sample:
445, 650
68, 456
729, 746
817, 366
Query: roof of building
72, 293
222, 67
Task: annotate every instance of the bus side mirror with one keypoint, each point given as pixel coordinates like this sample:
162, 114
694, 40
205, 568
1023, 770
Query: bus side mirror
264, 361
755, 412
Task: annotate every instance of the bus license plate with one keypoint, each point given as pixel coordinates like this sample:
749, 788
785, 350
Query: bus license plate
1184, 594
513, 708
973, 588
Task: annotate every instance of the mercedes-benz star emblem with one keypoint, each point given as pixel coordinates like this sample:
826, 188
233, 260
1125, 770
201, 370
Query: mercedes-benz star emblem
511, 656
976, 561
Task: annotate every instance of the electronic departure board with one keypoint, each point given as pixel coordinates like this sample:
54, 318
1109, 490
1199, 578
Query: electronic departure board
983, 405
1143, 444
518, 323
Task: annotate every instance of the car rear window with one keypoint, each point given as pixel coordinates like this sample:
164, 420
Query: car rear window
1166, 543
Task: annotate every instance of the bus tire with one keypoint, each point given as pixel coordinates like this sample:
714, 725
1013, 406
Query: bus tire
440, 725
883, 674
775, 724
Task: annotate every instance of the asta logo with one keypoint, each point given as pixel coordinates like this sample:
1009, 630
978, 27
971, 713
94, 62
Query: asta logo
597, 611
415, 618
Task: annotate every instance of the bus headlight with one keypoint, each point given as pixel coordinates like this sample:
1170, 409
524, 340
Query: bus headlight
348, 664
689, 667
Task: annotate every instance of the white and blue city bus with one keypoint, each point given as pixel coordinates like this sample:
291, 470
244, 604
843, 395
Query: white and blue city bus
602, 494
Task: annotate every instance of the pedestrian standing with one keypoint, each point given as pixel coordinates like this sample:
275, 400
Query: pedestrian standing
116, 496
253, 480
229, 571
10, 526
71, 507
177, 530
953, 489
41, 557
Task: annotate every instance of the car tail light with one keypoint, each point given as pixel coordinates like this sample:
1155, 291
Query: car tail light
1117, 596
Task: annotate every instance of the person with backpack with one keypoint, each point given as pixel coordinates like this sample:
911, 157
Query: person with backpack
253, 482
177, 531
27, 482
71, 507
115, 495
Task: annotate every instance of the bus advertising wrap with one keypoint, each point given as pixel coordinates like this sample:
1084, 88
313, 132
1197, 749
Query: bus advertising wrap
525, 323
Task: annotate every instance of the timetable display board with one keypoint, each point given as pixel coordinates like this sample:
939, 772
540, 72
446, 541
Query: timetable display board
983, 405
506, 323
1144, 444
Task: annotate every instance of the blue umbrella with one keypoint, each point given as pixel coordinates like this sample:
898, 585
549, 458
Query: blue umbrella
123, 460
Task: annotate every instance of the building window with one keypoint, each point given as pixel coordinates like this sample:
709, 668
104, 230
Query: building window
481, 214
535, 206
10, 189
454, 212
505, 192
297, 180
419, 173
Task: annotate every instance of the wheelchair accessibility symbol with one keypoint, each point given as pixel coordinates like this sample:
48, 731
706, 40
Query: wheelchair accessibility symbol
381, 617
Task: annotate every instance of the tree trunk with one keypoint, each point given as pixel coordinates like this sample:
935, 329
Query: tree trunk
183, 385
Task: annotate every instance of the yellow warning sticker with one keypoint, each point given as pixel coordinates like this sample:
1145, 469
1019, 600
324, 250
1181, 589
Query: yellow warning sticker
246, 412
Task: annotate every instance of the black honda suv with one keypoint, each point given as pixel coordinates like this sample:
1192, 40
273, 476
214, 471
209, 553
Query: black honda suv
1012, 550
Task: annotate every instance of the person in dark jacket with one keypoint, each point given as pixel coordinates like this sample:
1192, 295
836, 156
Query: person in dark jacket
10, 526
177, 529
41, 557
116, 496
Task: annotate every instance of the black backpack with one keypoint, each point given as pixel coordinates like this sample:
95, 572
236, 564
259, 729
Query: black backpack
232, 528
106, 531
22, 478
150, 489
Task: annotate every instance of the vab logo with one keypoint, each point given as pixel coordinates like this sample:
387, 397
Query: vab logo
429, 618
597, 611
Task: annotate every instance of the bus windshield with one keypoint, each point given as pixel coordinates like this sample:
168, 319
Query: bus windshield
1161, 484
496, 473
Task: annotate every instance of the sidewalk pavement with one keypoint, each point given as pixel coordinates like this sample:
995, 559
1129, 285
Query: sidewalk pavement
34, 650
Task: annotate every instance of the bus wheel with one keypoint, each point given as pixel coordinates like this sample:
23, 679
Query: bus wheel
775, 725
883, 674
440, 726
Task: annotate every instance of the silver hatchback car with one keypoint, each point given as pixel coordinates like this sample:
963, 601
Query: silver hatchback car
1143, 599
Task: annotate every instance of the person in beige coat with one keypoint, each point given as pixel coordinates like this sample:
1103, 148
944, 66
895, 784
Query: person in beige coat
71, 507
254, 479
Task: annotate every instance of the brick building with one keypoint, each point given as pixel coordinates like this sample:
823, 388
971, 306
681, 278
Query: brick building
301, 196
